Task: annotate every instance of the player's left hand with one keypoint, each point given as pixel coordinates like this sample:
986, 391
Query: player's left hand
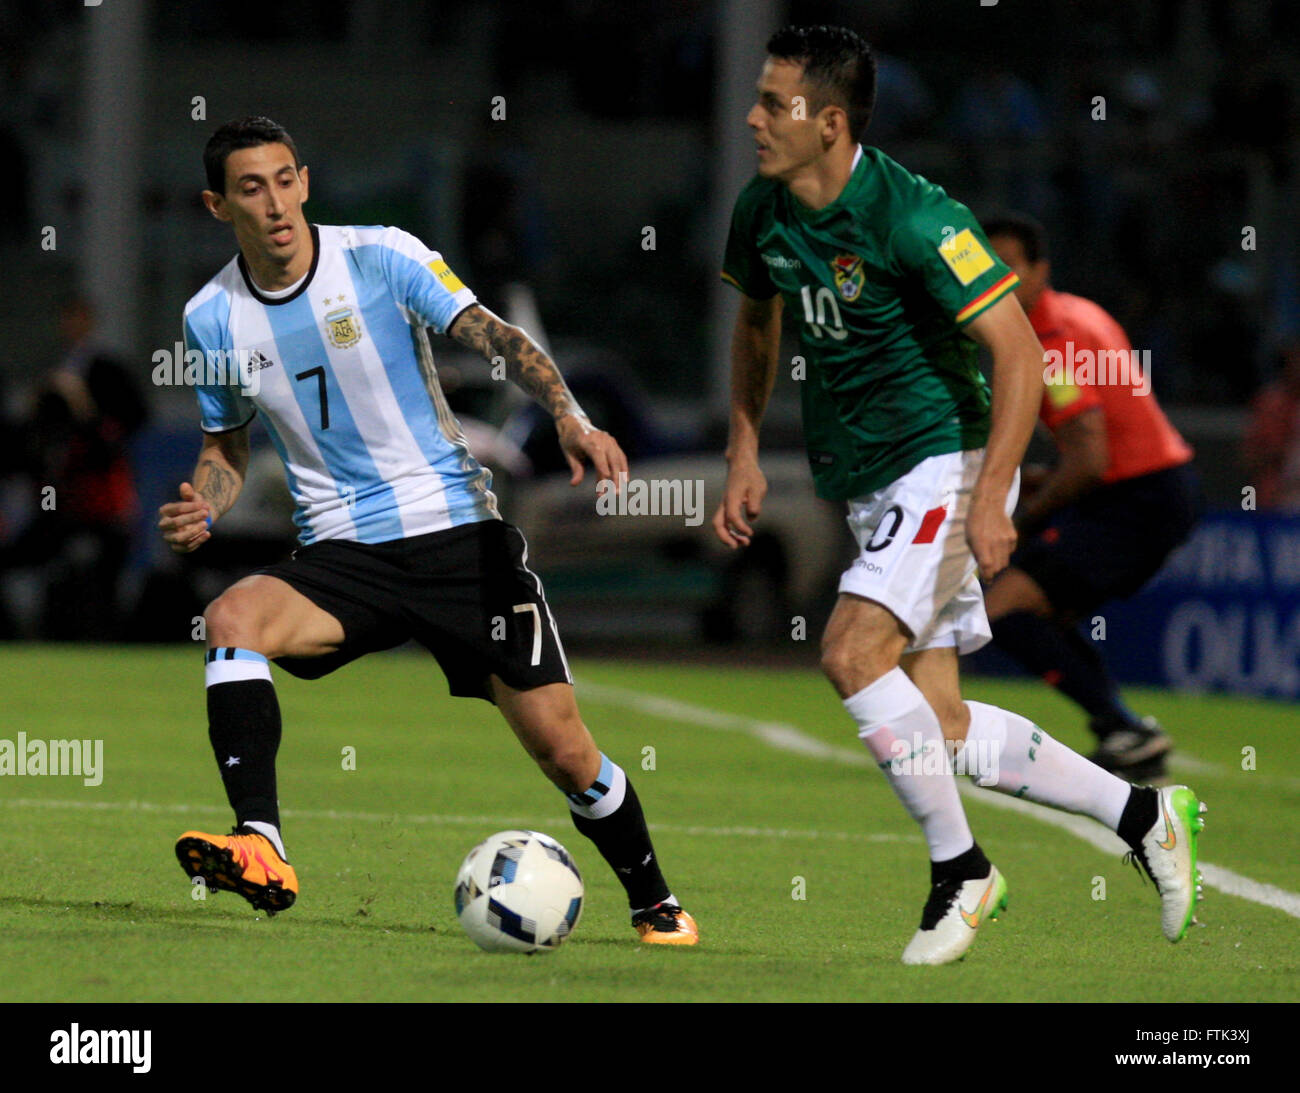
990, 535
582, 442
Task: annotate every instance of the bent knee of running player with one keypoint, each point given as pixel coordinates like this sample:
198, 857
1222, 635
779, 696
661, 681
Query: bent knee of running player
266, 615
862, 642
549, 726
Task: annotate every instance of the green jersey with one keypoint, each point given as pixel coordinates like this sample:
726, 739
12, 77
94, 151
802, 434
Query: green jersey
882, 280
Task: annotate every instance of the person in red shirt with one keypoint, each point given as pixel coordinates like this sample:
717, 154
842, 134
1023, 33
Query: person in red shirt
1100, 523
1270, 450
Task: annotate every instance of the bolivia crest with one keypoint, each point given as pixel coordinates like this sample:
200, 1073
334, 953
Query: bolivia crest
849, 277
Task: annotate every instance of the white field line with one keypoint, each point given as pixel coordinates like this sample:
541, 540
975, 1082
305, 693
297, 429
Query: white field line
1182, 761
494, 823
780, 735
787, 737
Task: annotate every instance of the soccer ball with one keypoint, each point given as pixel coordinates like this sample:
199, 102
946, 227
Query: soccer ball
518, 891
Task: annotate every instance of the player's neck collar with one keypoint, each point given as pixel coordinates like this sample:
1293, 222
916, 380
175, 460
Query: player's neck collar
271, 301
833, 206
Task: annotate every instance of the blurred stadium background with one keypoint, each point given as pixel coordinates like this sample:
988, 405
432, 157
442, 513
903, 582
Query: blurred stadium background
1175, 212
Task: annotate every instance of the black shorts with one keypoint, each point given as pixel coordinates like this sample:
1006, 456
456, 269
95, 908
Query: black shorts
465, 594
1108, 544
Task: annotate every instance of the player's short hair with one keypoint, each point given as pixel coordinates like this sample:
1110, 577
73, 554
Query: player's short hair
1021, 226
244, 133
838, 67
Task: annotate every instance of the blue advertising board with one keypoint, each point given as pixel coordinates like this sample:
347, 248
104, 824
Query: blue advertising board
1223, 613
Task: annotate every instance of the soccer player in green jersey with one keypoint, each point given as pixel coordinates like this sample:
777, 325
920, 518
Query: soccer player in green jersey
889, 280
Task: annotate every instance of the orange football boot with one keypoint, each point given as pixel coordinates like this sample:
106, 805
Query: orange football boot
243, 861
666, 924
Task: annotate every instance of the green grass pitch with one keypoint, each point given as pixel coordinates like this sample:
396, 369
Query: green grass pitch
93, 906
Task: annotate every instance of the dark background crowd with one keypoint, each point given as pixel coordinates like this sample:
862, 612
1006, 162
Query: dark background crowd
1158, 141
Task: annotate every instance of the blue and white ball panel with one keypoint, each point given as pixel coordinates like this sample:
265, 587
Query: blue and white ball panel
519, 890
513, 924
506, 864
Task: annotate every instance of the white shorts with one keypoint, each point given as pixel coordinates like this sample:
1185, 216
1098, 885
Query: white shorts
913, 557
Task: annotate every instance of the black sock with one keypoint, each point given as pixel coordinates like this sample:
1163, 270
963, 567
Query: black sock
620, 835
1067, 661
1139, 815
969, 865
244, 727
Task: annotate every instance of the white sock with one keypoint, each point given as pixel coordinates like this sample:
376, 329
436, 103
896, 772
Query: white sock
271, 832
903, 733
669, 899
1011, 754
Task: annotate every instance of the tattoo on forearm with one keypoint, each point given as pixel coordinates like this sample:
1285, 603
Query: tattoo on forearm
526, 364
217, 484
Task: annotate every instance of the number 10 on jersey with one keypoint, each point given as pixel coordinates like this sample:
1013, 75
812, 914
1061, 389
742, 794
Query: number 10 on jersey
825, 302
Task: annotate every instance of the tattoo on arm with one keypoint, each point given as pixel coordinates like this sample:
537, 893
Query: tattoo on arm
217, 483
222, 465
526, 363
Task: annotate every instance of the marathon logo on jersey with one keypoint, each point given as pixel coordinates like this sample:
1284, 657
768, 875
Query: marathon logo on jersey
965, 256
1066, 372
849, 276
780, 261
131, 1047
181, 367
343, 327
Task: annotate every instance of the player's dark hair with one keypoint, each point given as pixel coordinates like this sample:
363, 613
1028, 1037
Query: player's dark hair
838, 68
1030, 233
244, 133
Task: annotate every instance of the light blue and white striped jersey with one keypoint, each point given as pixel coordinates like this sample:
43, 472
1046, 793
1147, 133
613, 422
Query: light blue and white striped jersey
342, 374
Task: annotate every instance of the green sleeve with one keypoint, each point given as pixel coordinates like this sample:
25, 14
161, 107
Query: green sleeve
742, 265
942, 243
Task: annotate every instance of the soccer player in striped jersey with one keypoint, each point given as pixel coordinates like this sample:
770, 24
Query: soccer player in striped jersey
1099, 524
322, 332
888, 280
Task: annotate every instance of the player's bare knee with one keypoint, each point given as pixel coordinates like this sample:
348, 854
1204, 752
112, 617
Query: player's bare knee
834, 662
568, 764
229, 620
850, 666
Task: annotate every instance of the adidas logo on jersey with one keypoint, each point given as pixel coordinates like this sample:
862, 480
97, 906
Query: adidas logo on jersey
259, 360
181, 367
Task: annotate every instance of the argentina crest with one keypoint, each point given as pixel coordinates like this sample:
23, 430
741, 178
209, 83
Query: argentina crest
343, 327
849, 276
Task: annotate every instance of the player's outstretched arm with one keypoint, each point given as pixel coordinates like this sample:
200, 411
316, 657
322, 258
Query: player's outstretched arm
1017, 393
528, 365
755, 345
223, 461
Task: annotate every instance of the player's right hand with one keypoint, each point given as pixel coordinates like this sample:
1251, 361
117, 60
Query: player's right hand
186, 523
742, 501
